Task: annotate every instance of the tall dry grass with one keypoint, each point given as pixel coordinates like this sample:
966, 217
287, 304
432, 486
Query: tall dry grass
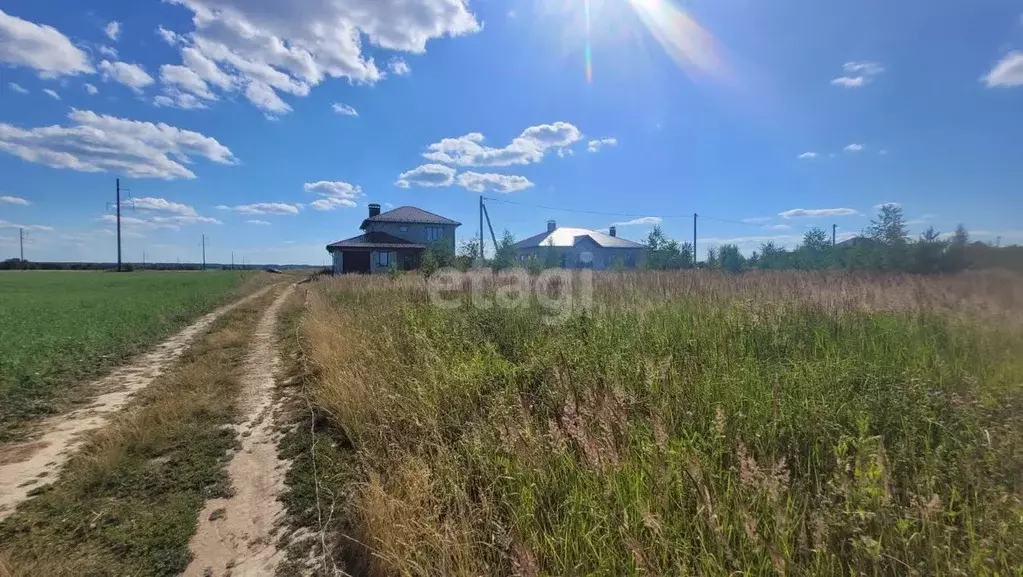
688, 423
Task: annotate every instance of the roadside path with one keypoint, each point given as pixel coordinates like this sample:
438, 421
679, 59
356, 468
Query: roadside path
235, 535
27, 465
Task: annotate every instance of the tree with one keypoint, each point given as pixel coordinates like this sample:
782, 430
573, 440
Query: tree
504, 255
772, 257
954, 259
891, 237
815, 251
730, 258
551, 256
928, 252
468, 252
712, 258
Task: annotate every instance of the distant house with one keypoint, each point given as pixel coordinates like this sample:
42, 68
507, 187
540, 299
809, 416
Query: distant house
396, 238
580, 248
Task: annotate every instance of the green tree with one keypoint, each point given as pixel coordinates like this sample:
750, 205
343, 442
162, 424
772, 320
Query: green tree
712, 258
504, 256
891, 237
663, 253
772, 257
730, 259
928, 252
815, 251
551, 255
954, 259
468, 252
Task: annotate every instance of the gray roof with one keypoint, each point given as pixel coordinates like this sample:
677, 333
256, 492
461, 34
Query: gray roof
564, 236
410, 214
373, 240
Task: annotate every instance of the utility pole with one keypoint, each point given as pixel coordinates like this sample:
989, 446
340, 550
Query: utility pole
694, 239
232, 260
21, 243
204, 252
834, 229
118, 225
481, 230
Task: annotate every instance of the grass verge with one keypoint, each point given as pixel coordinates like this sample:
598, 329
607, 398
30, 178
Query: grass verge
126, 504
689, 424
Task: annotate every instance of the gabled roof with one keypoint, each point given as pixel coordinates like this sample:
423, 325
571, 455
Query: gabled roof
564, 236
373, 240
409, 214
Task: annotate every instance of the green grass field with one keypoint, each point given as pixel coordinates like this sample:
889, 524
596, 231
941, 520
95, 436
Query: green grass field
692, 423
59, 328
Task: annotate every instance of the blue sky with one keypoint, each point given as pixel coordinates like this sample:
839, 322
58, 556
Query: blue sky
268, 126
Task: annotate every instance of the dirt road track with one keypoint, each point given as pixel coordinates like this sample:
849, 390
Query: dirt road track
25, 466
235, 535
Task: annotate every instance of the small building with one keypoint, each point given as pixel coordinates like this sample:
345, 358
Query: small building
396, 238
580, 248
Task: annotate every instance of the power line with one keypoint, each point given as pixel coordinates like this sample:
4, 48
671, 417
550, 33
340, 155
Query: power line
620, 214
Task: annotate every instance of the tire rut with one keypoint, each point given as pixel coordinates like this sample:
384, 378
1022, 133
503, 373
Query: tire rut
235, 535
27, 465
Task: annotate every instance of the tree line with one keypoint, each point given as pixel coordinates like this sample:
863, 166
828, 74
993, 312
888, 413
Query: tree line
884, 245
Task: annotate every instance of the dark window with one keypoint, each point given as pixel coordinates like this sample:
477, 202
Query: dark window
433, 233
383, 259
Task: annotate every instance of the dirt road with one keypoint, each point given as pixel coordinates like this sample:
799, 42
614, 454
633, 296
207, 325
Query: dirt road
25, 466
235, 535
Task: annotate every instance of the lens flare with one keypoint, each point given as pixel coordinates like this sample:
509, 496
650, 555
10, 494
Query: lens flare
589, 50
685, 41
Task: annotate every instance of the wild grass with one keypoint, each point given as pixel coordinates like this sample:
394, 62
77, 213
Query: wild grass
689, 423
59, 328
126, 504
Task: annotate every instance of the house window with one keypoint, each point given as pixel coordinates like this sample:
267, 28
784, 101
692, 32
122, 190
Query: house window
384, 259
433, 233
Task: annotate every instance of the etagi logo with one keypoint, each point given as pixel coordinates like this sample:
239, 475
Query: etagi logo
559, 292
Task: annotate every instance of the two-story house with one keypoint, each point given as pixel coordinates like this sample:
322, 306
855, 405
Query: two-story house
396, 238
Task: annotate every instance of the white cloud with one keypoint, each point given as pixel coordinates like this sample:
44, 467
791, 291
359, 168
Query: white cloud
596, 145
806, 155
335, 194
854, 148
884, 204
17, 88
398, 66
528, 147
344, 109
52, 93
108, 51
1007, 72
131, 75
817, 212
185, 79
269, 47
778, 227
257, 222
431, 175
135, 224
757, 220
264, 208
100, 143
502, 183
164, 205
169, 36
642, 221
38, 46
30, 227
14, 200
174, 98
858, 74
113, 30
91, 89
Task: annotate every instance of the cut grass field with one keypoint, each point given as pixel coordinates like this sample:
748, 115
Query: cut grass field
691, 423
59, 328
127, 503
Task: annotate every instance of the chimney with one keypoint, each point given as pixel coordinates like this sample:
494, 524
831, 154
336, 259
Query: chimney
374, 209
613, 231
551, 225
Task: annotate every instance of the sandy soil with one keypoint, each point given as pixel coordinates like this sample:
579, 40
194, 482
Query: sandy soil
236, 535
25, 466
